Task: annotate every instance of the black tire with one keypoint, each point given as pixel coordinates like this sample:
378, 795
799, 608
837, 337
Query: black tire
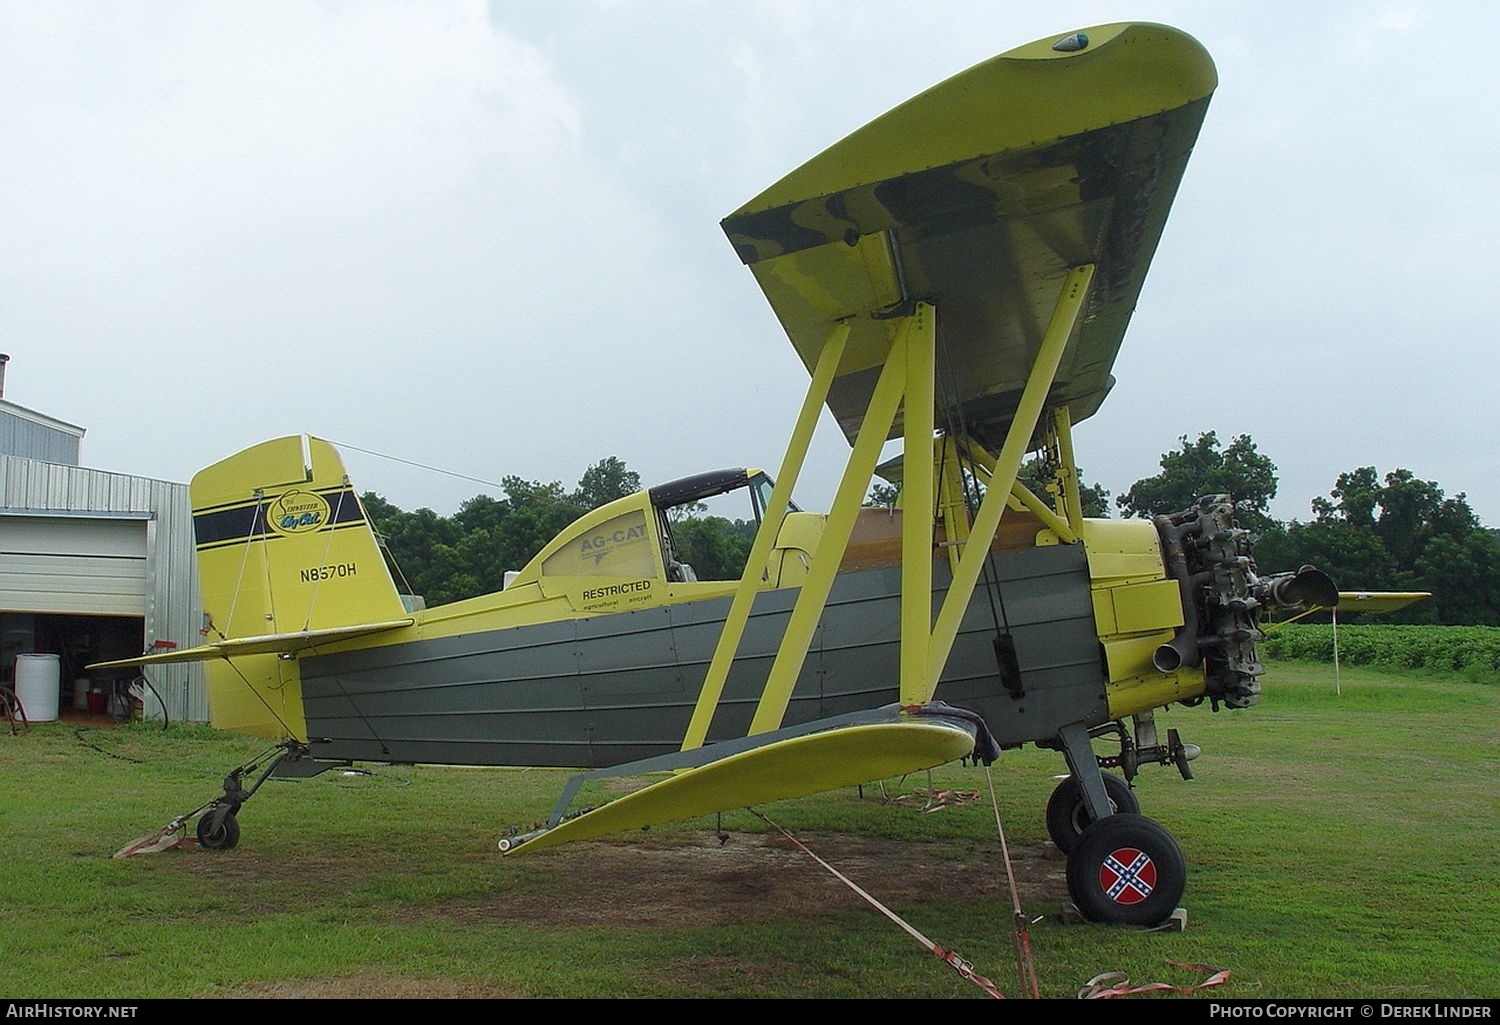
222, 837
1068, 816
1128, 870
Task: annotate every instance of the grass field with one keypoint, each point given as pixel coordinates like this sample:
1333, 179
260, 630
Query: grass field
1338, 846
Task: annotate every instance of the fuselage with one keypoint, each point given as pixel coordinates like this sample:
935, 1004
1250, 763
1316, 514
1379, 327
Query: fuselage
595, 652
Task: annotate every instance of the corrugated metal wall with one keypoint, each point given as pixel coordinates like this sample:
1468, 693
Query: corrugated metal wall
174, 610
21, 435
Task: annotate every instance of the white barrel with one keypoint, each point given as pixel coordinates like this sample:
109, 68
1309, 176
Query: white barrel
81, 694
38, 685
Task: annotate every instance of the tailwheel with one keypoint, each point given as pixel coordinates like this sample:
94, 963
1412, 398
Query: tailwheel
219, 830
1068, 814
1126, 869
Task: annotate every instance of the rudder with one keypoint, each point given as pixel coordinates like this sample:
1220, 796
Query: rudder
283, 545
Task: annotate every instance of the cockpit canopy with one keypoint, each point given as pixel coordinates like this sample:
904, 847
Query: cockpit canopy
661, 533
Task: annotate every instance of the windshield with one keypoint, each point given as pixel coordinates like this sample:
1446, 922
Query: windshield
710, 524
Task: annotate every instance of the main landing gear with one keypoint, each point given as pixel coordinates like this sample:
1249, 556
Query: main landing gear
1122, 867
1068, 814
1126, 869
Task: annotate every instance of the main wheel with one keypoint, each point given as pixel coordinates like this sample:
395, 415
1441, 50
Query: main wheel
222, 837
1068, 816
1126, 869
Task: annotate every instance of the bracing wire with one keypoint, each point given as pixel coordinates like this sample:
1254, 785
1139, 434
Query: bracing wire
260, 501
420, 466
953, 411
261, 697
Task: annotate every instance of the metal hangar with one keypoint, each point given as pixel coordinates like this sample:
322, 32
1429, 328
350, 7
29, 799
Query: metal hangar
93, 566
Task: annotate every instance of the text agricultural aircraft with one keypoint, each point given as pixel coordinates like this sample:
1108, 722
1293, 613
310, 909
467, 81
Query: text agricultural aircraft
956, 275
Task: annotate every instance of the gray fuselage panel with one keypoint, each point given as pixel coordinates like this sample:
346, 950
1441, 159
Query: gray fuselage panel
599, 691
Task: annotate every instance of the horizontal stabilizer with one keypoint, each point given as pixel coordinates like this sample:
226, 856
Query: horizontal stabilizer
803, 765
266, 644
1378, 602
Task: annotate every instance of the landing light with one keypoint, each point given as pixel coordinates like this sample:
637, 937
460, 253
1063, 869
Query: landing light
1068, 44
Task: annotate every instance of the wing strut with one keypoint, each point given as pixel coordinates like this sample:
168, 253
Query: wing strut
954, 502
765, 538
984, 467
919, 504
1065, 317
1062, 431
907, 374
803, 622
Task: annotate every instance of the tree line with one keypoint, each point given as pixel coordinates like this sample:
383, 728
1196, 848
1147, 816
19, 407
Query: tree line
1373, 532
448, 558
1391, 532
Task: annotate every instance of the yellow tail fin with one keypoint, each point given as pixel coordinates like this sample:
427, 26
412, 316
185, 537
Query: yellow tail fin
283, 546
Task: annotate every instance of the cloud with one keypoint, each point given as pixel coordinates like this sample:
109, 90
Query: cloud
484, 236
333, 217
1400, 17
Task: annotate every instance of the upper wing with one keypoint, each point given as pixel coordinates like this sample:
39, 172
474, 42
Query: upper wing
978, 195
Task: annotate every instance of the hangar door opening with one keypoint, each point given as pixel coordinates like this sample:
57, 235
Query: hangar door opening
73, 586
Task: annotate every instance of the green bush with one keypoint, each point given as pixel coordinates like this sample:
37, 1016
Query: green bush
1473, 651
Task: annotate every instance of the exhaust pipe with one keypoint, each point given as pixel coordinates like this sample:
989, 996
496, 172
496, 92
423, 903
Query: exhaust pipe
1184, 648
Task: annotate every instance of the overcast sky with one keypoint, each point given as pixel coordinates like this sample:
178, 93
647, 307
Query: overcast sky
485, 237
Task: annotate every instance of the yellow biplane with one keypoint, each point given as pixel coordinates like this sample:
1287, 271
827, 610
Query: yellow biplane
956, 276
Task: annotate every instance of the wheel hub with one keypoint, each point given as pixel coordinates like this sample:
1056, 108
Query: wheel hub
1127, 875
